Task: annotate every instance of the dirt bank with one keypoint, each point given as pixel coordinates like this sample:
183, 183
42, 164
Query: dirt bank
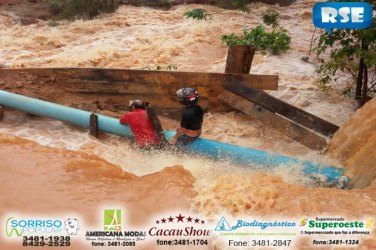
354, 144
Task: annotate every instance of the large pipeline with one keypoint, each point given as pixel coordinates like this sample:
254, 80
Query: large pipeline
324, 175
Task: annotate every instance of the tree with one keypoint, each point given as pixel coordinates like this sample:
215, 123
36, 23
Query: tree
242, 48
270, 17
277, 41
352, 51
199, 14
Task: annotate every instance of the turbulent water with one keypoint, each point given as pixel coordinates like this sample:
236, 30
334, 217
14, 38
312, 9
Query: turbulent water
137, 37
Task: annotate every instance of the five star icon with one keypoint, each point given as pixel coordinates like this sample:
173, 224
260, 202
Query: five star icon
180, 218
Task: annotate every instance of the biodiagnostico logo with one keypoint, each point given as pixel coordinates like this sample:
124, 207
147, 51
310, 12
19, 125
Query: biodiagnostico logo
342, 15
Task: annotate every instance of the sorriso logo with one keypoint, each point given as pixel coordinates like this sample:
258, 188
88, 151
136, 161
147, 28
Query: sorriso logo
19, 227
9, 229
342, 15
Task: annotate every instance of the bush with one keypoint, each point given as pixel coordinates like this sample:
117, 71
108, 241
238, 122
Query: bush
198, 14
83, 8
270, 17
276, 41
167, 68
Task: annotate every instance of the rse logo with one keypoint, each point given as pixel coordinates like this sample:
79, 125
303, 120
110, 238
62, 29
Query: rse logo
342, 15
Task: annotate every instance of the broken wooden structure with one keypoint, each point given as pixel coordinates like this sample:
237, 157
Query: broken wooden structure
295, 123
239, 59
97, 89
301, 126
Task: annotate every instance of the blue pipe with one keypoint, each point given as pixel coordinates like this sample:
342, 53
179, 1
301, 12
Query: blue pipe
62, 113
213, 149
324, 175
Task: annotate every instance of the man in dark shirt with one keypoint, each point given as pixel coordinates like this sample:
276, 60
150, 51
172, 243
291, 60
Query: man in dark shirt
192, 117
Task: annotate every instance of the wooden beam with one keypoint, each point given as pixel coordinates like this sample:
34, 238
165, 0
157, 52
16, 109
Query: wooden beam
274, 121
175, 79
283, 108
1, 113
94, 125
239, 59
157, 127
88, 86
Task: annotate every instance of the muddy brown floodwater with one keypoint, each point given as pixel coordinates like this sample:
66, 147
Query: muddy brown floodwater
42, 180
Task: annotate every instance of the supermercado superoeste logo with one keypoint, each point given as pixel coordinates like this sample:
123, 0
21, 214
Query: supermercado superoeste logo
342, 15
339, 223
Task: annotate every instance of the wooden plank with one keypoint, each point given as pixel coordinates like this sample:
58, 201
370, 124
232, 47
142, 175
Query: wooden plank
157, 101
126, 89
88, 86
157, 127
239, 59
115, 88
174, 114
276, 122
175, 79
277, 106
94, 125
1, 113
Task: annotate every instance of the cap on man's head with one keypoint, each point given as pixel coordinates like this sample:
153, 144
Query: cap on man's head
185, 92
187, 96
138, 104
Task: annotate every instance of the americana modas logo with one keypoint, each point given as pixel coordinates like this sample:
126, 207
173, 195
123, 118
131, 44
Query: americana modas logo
112, 219
113, 232
180, 225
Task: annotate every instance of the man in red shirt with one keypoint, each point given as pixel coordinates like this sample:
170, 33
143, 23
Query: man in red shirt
141, 125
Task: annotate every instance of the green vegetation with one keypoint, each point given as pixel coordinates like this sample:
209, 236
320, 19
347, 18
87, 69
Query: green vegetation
276, 42
198, 14
352, 51
270, 17
167, 68
83, 8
